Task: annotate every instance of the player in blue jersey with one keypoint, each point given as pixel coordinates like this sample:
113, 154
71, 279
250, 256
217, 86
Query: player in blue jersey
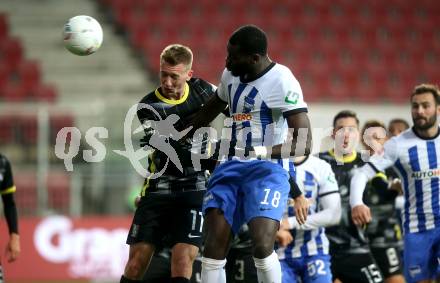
307, 256
414, 155
264, 100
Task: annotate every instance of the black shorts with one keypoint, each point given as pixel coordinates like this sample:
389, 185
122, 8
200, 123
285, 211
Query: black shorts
355, 268
240, 266
167, 219
388, 260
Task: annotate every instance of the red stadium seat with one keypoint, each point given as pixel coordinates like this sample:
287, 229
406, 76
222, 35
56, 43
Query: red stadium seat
7, 129
28, 129
4, 75
3, 26
45, 93
57, 122
29, 73
13, 92
12, 52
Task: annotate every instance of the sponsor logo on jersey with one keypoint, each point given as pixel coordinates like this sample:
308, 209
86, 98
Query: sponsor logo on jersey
193, 236
241, 117
425, 174
291, 97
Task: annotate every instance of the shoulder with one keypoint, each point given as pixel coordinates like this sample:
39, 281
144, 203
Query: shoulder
3, 159
201, 86
325, 156
317, 165
149, 98
4, 163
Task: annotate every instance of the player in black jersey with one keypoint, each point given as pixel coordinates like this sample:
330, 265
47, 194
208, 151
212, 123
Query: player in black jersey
351, 259
7, 189
170, 205
383, 231
240, 266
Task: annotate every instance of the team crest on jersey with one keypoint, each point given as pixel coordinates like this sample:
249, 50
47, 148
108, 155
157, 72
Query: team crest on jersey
291, 97
248, 104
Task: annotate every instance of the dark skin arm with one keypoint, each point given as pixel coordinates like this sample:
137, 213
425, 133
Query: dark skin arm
299, 138
208, 113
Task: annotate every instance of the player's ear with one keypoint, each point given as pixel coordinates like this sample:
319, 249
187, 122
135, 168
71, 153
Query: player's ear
189, 74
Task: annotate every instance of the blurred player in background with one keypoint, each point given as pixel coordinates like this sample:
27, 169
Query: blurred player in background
263, 97
7, 190
351, 258
414, 153
396, 126
383, 231
307, 256
170, 206
240, 266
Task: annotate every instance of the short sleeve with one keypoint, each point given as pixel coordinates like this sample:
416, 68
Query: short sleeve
288, 96
387, 158
327, 180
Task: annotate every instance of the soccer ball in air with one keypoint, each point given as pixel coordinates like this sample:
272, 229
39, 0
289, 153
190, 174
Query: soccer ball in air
82, 35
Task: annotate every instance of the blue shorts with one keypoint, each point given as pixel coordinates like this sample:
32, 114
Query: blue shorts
245, 190
310, 269
421, 255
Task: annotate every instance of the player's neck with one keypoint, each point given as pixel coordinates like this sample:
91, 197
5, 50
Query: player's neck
259, 69
428, 133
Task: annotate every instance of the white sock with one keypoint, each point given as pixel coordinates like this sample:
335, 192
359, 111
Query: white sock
268, 269
213, 270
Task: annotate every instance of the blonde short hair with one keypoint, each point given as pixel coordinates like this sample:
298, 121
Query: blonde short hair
176, 54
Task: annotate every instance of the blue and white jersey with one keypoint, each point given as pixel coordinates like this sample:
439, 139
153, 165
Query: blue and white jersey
316, 179
257, 108
416, 161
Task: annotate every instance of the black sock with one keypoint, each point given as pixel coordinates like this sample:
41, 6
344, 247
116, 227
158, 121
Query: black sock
126, 280
179, 280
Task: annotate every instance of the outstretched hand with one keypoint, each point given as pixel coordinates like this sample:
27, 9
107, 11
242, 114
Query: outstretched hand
13, 247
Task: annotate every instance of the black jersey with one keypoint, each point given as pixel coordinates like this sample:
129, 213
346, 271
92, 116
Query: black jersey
384, 228
345, 237
197, 92
6, 179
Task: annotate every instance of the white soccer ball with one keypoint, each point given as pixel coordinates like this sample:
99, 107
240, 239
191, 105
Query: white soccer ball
82, 35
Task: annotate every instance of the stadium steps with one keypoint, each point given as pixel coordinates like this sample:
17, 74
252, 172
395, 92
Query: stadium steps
110, 75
